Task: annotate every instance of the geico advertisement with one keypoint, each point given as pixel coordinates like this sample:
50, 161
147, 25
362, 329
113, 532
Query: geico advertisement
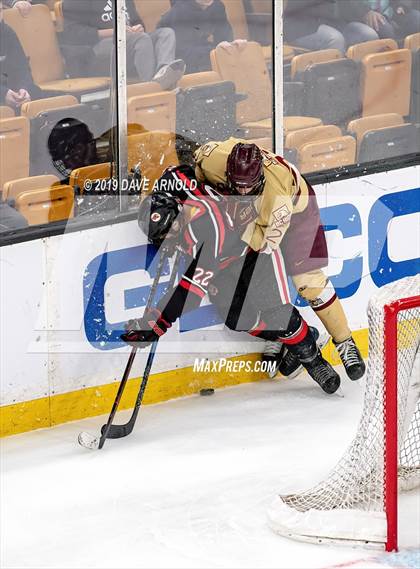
373, 237
86, 285
63, 324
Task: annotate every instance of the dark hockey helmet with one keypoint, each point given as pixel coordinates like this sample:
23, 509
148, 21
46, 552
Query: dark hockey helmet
71, 145
157, 214
244, 172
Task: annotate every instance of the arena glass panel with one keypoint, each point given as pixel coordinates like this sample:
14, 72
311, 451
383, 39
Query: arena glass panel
57, 114
207, 78
350, 77
176, 91
343, 98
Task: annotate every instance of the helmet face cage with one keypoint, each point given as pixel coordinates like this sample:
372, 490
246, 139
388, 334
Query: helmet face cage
244, 171
254, 190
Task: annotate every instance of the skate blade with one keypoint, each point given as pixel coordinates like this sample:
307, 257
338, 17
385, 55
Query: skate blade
297, 372
339, 392
323, 340
88, 441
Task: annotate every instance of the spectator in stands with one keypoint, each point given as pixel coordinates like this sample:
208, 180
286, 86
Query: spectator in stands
23, 6
16, 83
390, 18
88, 24
200, 26
325, 24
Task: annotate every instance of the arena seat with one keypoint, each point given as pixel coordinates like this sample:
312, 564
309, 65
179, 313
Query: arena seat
154, 151
331, 88
297, 138
6, 112
146, 88
151, 11
266, 143
155, 111
14, 149
79, 176
384, 137
288, 53
13, 189
38, 37
201, 78
206, 109
34, 108
291, 124
325, 154
301, 62
385, 83
412, 42
45, 114
359, 127
262, 6
46, 205
247, 69
257, 128
267, 52
359, 50
389, 142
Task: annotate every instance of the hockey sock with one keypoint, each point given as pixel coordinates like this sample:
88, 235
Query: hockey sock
317, 289
290, 328
301, 342
334, 320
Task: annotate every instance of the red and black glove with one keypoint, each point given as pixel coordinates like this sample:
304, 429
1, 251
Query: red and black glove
145, 330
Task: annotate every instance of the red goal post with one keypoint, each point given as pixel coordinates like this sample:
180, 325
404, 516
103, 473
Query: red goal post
358, 501
391, 312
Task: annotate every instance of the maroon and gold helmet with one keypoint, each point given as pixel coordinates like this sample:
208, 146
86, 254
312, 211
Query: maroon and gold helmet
244, 171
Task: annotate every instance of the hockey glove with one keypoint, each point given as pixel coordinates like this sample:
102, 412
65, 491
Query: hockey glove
145, 330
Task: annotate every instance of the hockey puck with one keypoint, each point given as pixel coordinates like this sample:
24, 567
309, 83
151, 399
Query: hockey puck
208, 391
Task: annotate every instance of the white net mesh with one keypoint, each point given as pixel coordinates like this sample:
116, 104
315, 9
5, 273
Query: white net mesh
354, 491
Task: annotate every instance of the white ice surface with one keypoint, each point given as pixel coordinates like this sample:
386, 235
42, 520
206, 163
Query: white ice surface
188, 488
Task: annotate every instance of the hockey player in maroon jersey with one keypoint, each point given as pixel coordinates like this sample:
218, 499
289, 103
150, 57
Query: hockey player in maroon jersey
243, 284
286, 216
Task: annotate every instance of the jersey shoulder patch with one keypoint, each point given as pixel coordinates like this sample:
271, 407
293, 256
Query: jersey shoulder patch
206, 149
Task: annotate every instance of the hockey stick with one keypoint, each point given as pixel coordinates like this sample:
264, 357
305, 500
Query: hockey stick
89, 441
119, 431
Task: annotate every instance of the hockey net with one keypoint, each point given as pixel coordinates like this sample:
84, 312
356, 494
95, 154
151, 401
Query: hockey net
358, 500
